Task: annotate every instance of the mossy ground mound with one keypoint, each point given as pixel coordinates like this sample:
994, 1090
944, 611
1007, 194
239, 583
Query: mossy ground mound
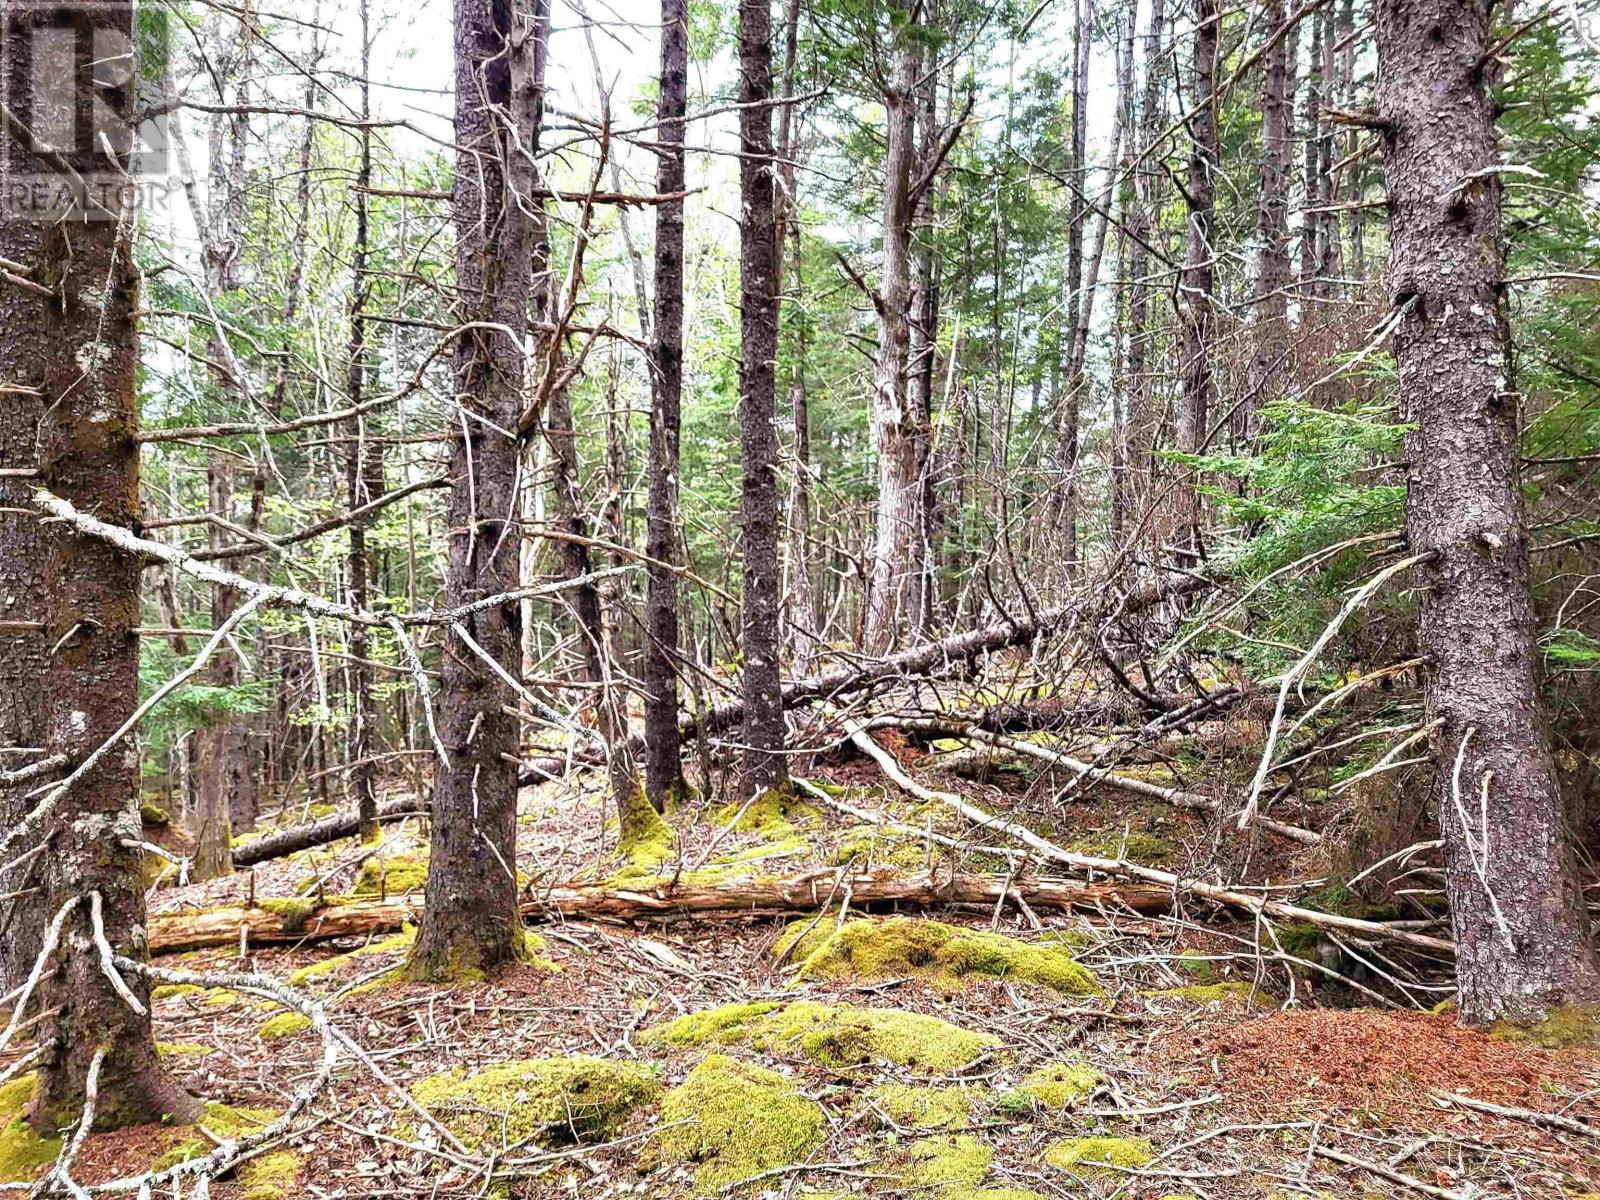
736, 1121
922, 1107
282, 1026
332, 966
22, 1151
1054, 1086
938, 1164
1564, 1027
866, 949
1146, 849
1086, 1156
645, 841
838, 1036
270, 1176
544, 1101
392, 875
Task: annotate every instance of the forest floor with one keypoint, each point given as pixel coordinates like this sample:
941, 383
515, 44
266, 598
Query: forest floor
904, 1062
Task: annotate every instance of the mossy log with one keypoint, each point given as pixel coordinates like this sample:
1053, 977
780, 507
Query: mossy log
759, 896
332, 828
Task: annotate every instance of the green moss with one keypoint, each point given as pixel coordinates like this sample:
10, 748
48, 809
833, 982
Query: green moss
964, 1193
1057, 1085
1227, 995
22, 1151
270, 1177
283, 1025
392, 875
293, 911
1146, 849
338, 962
774, 813
219, 997
1445, 1006
722, 1026
183, 1049
220, 1120
922, 1107
544, 1101
1080, 1155
870, 843
166, 991
831, 1035
644, 841
735, 1120
948, 1161
908, 946
1196, 966
1564, 1026
154, 814
801, 939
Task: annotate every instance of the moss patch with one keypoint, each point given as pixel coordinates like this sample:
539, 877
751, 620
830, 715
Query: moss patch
908, 946
832, 1035
1225, 995
222, 1120
1056, 1085
293, 911
154, 814
184, 1049
1146, 849
283, 1025
392, 875
644, 840
735, 1120
949, 1161
1564, 1026
922, 1107
544, 1101
870, 843
22, 1151
270, 1177
166, 991
1084, 1155
338, 962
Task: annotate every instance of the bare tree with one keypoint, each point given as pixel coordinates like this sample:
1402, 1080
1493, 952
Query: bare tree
664, 758
1516, 904
470, 921
763, 763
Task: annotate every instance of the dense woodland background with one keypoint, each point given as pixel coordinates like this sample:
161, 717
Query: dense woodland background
1119, 474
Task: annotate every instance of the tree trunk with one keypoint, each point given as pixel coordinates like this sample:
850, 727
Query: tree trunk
1070, 401
69, 365
763, 762
1311, 222
1140, 230
470, 923
363, 467
1516, 904
1270, 286
894, 425
1196, 306
664, 755
220, 742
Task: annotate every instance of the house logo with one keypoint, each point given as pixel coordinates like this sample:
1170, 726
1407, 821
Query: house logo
80, 139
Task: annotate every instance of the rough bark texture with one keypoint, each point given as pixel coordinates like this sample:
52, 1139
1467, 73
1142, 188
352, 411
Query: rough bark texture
69, 364
923, 355
1516, 906
1310, 122
1270, 285
1070, 401
894, 423
470, 923
363, 469
664, 756
1196, 304
763, 762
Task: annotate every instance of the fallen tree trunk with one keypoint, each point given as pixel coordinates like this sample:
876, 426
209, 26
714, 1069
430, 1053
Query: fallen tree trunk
801, 893
1093, 865
296, 838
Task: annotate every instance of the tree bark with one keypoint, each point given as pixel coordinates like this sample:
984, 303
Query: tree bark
763, 763
1269, 307
220, 742
363, 476
470, 923
1311, 222
1516, 903
895, 430
1196, 304
664, 751
1140, 229
69, 365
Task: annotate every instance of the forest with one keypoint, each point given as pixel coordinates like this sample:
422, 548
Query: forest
951, 600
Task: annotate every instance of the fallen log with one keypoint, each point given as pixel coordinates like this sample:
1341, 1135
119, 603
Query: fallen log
289, 924
283, 842
1093, 865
